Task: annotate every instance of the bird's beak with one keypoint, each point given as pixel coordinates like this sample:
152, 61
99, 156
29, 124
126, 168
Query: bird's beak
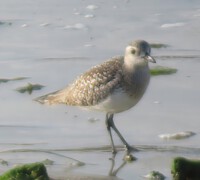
150, 59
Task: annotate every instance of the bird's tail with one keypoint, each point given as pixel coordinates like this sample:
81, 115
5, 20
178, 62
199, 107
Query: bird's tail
57, 97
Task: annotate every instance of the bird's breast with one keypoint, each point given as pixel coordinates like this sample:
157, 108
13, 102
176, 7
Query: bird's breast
127, 94
116, 102
137, 83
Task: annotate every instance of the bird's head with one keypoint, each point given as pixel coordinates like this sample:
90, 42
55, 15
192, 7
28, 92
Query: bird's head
139, 50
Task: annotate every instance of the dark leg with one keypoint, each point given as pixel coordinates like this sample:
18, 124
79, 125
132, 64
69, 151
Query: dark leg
110, 124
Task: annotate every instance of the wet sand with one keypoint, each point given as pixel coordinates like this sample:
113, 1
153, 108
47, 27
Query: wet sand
51, 42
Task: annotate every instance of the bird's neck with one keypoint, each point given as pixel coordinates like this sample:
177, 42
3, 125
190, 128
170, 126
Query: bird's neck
132, 64
136, 71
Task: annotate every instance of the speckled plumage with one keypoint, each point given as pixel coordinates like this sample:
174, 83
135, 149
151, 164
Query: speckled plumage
89, 88
96, 84
113, 86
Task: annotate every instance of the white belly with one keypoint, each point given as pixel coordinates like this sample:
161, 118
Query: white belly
115, 103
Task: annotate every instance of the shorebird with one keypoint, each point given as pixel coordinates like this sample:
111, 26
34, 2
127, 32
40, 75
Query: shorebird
112, 87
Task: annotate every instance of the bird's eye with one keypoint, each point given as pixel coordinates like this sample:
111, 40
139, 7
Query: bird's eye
133, 51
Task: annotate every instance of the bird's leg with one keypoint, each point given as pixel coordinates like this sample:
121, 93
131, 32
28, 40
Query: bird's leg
111, 124
109, 118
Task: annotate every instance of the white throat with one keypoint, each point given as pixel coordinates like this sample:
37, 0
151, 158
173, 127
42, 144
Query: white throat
132, 62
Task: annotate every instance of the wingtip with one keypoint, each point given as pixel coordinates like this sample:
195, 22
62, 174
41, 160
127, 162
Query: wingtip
40, 99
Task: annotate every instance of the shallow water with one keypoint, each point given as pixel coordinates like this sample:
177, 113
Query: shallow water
52, 42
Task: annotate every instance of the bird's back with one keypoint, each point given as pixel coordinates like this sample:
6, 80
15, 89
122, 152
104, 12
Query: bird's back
91, 87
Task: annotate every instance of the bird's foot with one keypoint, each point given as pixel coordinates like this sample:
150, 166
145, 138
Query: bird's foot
128, 156
114, 151
130, 149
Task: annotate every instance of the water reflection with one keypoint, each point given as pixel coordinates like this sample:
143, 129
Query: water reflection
60, 160
114, 170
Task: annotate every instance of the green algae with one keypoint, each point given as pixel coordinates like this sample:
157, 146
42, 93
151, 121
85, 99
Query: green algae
158, 45
185, 169
3, 162
34, 171
29, 88
155, 175
2, 23
161, 70
5, 80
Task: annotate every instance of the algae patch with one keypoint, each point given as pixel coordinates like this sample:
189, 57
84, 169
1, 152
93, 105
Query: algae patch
5, 80
158, 45
26, 172
155, 175
29, 88
5, 23
161, 70
183, 169
3, 162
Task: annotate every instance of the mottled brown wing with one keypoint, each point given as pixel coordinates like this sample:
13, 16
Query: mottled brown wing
90, 88
96, 84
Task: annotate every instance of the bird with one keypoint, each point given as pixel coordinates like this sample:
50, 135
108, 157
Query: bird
112, 87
